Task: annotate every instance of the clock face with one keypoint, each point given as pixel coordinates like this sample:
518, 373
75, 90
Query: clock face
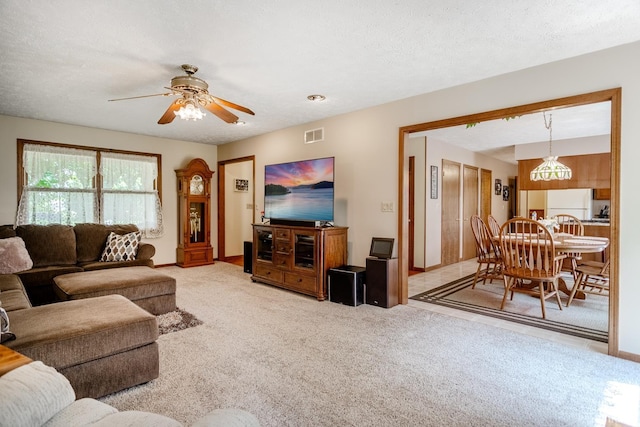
196, 186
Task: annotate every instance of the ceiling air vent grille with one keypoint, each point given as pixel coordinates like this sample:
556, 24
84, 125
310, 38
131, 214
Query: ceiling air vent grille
315, 135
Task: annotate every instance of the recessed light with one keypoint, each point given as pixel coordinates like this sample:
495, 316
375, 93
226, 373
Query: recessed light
316, 98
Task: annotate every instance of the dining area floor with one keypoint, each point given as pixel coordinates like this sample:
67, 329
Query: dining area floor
426, 281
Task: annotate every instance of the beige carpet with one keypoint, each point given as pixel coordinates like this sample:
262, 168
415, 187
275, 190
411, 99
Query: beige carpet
294, 361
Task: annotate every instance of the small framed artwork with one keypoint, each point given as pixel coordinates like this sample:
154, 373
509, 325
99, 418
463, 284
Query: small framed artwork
498, 186
242, 185
434, 182
505, 193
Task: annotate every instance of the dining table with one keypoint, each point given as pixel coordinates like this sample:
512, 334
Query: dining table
569, 243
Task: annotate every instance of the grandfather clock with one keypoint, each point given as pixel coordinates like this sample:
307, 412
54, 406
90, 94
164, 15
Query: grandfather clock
194, 217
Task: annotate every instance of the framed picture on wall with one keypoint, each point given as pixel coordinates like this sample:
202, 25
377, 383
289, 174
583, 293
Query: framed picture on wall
505, 193
242, 185
498, 187
434, 182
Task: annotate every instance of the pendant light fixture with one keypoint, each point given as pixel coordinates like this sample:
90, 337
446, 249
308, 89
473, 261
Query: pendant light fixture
550, 168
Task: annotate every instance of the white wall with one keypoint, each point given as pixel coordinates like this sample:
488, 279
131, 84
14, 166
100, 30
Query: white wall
365, 144
238, 206
566, 147
175, 155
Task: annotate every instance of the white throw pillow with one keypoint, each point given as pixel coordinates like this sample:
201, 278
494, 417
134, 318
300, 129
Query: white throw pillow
14, 256
121, 248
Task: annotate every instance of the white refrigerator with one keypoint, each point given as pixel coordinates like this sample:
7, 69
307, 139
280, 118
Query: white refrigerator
576, 202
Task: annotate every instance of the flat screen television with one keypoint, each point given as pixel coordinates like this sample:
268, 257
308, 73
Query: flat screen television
381, 247
300, 191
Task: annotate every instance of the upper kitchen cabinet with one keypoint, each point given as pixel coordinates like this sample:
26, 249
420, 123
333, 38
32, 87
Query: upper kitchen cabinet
588, 171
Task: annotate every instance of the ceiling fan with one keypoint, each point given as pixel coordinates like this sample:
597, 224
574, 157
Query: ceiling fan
194, 94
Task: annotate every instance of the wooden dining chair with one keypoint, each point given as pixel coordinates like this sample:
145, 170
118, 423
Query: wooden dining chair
487, 253
494, 225
571, 225
530, 264
593, 278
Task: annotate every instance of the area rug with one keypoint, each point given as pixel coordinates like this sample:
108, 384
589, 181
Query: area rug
176, 320
583, 318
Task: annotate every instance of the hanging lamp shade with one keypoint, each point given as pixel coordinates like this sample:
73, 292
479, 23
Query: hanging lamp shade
551, 168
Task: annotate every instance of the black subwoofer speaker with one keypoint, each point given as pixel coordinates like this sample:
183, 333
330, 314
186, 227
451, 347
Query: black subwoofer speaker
248, 257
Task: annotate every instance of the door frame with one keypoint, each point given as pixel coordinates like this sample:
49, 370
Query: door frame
222, 199
612, 95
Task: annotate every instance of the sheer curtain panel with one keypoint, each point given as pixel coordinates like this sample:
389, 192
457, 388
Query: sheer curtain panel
58, 187
129, 193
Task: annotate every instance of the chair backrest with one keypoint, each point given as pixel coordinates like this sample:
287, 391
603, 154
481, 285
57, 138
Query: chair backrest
485, 246
528, 251
570, 224
494, 225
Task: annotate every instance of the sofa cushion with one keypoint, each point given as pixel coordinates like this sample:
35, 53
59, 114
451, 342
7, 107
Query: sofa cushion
91, 239
14, 256
52, 244
99, 265
7, 231
121, 247
43, 276
132, 282
12, 293
70, 333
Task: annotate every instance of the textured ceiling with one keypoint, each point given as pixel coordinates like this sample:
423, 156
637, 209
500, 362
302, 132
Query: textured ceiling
62, 60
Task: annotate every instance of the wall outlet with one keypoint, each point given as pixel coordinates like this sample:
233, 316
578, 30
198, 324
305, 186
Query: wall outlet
386, 207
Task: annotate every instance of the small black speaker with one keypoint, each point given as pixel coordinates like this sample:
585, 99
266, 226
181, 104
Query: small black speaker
248, 257
346, 285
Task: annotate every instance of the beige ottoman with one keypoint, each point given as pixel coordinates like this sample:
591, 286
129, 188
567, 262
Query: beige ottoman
145, 286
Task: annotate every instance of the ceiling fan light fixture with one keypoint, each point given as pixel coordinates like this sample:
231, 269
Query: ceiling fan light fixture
190, 112
551, 168
239, 123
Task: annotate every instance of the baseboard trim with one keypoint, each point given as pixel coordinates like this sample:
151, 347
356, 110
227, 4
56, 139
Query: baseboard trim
629, 356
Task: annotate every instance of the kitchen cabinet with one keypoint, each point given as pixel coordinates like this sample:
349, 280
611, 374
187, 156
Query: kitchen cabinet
588, 171
602, 194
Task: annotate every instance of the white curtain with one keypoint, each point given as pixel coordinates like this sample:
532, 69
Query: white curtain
129, 194
58, 186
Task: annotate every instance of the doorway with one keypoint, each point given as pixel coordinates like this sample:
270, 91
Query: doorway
236, 206
613, 96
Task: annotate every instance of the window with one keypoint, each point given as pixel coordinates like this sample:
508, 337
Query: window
70, 185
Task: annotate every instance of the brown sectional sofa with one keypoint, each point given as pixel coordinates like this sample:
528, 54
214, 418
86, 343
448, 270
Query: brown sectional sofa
60, 249
102, 344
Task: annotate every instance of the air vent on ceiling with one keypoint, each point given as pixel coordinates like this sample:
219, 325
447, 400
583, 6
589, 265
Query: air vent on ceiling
315, 135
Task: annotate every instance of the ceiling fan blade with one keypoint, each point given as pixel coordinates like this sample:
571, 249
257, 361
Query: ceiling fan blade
170, 114
232, 105
225, 115
142, 96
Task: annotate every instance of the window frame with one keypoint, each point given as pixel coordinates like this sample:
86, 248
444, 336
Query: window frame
97, 181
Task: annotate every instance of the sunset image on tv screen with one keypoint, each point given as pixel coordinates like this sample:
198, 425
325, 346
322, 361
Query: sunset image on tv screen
301, 190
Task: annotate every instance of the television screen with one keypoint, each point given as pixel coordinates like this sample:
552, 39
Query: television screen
301, 190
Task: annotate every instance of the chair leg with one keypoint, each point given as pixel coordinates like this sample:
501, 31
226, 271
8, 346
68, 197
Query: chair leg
555, 289
475, 279
575, 288
541, 287
507, 286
